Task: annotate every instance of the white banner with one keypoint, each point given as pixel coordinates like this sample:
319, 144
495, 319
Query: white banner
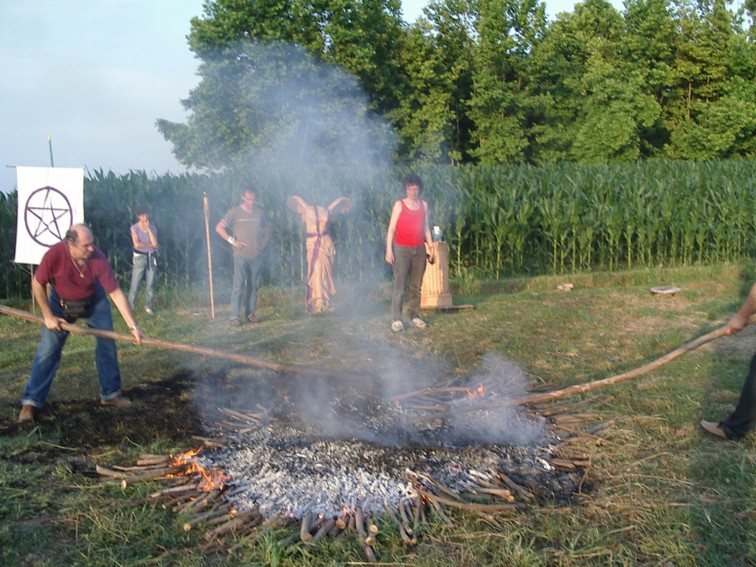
50, 200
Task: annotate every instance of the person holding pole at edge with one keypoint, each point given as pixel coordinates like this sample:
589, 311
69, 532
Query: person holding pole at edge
80, 279
743, 418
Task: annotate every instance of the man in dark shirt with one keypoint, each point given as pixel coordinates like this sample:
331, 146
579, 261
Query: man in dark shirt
80, 279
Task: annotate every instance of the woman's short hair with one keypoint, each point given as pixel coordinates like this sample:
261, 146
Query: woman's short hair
412, 179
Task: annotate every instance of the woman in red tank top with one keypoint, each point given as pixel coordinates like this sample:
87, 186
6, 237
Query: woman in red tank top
406, 240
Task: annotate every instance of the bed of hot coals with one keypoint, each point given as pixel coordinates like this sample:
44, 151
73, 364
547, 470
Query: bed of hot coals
345, 460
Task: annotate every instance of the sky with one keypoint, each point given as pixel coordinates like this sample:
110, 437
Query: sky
95, 76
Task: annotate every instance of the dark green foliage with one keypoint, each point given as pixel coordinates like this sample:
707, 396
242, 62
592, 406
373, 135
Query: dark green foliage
482, 81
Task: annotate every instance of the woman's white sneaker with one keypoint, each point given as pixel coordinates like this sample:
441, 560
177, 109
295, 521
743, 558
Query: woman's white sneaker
419, 323
397, 326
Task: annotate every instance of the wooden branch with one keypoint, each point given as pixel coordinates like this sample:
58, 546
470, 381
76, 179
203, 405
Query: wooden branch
437, 500
240, 358
514, 486
150, 474
580, 388
405, 538
405, 516
365, 541
304, 528
324, 528
645, 369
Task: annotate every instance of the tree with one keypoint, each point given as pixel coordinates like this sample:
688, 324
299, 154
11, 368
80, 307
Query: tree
578, 73
713, 113
432, 118
276, 102
615, 112
237, 39
648, 49
508, 31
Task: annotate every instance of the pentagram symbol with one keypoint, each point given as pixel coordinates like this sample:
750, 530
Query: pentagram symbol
48, 214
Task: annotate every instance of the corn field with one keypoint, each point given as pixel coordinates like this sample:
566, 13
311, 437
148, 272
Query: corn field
498, 221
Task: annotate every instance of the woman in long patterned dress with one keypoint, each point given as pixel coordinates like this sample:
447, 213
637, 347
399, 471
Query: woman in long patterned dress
320, 249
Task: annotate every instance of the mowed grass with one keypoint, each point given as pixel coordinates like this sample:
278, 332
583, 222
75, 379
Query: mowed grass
660, 491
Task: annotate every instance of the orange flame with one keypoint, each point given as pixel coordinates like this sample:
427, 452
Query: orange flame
211, 479
478, 392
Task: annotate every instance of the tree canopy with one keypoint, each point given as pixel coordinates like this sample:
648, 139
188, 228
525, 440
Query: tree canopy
474, 81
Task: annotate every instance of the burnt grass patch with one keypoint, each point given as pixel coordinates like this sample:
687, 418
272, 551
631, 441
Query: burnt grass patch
162, 410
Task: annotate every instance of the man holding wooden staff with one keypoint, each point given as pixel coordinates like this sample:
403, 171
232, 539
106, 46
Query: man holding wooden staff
743, 419
80, 279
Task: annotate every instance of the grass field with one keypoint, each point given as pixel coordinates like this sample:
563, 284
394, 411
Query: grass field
659, 491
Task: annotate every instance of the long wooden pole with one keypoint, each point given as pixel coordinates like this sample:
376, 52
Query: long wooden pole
651, 366
580, 388
243, 359
209, 254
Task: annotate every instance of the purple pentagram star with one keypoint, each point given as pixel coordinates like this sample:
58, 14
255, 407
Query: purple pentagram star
48, 214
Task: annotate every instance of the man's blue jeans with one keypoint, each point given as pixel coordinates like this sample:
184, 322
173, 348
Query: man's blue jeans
251, 271
50, 347
142, 270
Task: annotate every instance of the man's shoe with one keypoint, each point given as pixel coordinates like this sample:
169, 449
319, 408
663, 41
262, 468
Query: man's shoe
119, 402
397, 326
26, 415
235, 323
713, 428
149, 311
251, 319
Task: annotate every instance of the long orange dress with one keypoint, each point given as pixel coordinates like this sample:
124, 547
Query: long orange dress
321, 251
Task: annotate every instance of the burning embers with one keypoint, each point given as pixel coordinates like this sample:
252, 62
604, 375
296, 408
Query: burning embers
479, 392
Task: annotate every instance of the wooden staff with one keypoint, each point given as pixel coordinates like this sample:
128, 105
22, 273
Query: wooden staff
209, 254
243, 359
579, 388
658, 363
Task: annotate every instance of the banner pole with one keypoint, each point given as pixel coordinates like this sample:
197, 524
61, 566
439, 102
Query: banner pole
209, 254
34, 301
49, 145
31, 266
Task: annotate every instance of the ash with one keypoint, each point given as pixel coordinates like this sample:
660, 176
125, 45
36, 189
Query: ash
288, 471
327, 447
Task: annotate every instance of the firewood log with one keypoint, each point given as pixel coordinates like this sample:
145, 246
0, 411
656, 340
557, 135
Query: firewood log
324, 529
304, 528
402, 533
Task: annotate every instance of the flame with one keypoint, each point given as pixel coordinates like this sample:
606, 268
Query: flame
211, 479
185, 457
479, 392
